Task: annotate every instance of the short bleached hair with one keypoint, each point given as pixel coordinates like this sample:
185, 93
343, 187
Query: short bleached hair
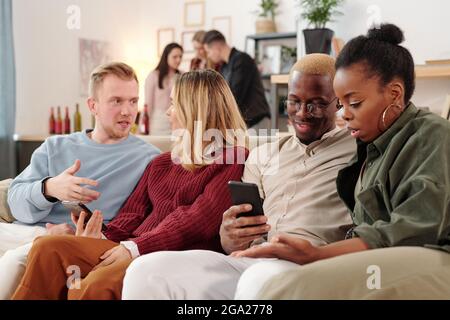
316, 64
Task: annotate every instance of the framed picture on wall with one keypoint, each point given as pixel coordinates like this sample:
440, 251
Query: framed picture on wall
92, 54
186, 41
223, 24
164, 36
446, 109
194, 14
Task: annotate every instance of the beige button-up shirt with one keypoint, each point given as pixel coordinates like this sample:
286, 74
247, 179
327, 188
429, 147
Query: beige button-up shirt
298, 185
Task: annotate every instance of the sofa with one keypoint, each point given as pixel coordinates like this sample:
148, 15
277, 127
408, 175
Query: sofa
164, 143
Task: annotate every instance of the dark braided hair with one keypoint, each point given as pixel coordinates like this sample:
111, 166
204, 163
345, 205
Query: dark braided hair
383, 56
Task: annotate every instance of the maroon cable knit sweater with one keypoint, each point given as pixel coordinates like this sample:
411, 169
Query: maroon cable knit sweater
172, 208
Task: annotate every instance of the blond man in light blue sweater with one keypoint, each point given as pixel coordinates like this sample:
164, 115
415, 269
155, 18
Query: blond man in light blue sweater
98, 167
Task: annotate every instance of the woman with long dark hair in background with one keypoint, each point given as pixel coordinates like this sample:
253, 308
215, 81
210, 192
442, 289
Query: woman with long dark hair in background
158, 86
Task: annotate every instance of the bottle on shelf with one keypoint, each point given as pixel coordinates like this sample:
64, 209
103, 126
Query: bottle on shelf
58, 122
135, 125
77, 119
51, 121
67, 122
145, 124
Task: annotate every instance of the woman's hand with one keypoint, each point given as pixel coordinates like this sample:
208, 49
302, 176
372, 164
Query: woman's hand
114, 255
93, 228
59, 229
283, 247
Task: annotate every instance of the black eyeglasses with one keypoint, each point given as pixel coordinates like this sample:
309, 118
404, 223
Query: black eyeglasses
294, 106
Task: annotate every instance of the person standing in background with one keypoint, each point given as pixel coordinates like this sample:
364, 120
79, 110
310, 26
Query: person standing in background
241, 73
201, 61
158, 86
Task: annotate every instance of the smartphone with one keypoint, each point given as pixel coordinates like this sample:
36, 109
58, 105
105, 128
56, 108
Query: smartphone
77, 207
241, 193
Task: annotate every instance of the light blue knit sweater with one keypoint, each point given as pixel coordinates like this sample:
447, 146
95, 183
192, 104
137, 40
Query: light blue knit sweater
116, 167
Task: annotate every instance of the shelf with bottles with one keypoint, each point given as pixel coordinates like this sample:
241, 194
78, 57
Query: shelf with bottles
59, 125
141, 125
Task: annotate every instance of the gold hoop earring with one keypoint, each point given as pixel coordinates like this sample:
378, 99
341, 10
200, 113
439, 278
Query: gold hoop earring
383, 117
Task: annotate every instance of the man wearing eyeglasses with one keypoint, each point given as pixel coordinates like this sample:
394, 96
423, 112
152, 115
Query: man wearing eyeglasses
296, 178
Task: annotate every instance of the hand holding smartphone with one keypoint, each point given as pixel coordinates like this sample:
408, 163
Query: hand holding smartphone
77, 207
242, 193
239, 227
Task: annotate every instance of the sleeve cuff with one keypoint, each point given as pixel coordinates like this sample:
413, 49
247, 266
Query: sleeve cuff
132, 247
370, 235
38, 198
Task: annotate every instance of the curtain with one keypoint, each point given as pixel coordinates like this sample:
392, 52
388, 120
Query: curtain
7, 92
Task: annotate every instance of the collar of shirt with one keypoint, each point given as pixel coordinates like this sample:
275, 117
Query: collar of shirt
311, 148
380, 144
372, 150
230, 58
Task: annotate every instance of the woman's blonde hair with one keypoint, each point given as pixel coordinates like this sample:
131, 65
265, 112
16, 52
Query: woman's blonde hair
199, 36
206, 110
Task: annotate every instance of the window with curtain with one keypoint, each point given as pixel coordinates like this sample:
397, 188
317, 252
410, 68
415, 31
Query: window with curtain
7, 91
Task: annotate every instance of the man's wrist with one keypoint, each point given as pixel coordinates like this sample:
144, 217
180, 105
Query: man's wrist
44, 191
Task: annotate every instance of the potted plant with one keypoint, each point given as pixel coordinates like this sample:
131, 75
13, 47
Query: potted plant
266, 21
318, 13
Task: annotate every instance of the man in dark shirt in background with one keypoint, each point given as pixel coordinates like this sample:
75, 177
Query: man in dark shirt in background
241, 73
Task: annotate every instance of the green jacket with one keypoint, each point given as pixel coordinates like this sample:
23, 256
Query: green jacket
405, 194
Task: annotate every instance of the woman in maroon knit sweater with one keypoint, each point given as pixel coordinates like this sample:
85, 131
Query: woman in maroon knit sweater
177, 204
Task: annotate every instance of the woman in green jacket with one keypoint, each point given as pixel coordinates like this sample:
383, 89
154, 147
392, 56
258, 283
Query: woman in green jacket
397, 189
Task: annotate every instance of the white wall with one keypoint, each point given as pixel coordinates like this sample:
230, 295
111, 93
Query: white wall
47, 58
170, 15
425, 25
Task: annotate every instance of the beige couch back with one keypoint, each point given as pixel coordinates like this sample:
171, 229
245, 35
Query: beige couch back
164, 143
